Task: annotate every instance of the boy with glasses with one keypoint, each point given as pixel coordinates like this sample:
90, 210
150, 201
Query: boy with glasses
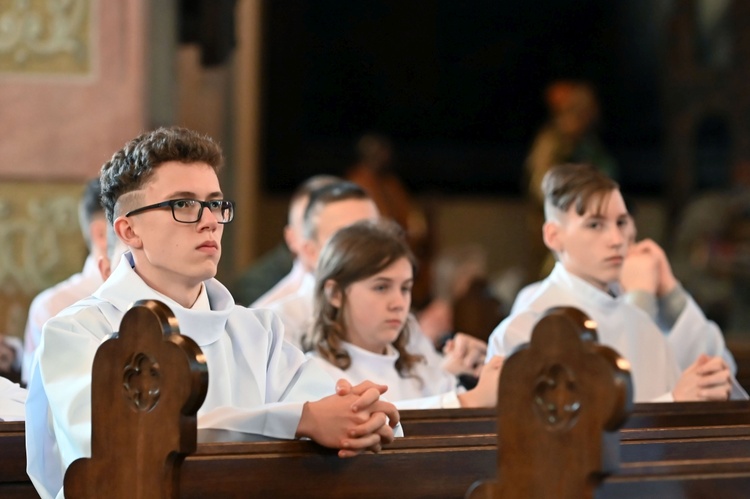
162, 195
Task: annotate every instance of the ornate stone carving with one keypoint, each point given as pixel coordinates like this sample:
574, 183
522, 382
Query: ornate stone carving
42, 244
45, 36
142, 382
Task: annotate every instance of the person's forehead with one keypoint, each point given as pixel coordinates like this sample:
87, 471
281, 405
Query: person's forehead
608, 203
400, 269
339, 214
174, 176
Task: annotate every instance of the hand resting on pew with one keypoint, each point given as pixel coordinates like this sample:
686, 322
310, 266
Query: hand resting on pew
354, 420
485, 393
708, 378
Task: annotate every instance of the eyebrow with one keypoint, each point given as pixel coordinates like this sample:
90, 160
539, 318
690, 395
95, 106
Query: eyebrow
388, 279
191, 195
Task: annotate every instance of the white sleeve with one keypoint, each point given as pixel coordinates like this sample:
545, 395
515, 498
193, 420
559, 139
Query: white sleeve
12, 401
693, 334
58, 408
510, 334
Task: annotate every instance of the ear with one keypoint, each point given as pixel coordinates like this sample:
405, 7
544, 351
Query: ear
290, 239
309, 254
105, 267
127, 233
333, 293
553, 235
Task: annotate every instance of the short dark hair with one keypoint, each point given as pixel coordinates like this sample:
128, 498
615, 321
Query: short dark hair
133, 165
325, 195
310, 185
574, 184
90, 207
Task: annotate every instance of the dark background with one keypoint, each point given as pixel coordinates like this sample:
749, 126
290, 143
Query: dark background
458, 86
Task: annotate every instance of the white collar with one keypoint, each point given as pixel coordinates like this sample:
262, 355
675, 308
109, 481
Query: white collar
582, 289
202, 302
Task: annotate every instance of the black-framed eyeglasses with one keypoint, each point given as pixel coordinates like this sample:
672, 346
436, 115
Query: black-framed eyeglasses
189, 211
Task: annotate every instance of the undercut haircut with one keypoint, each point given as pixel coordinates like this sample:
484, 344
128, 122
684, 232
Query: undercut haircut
324, 196
133, 165
575, 185
308, 186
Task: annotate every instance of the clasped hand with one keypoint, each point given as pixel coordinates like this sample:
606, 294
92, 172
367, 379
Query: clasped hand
354, 420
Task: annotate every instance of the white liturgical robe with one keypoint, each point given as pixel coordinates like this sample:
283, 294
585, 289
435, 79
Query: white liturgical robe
428, 388
258, 382
620, 326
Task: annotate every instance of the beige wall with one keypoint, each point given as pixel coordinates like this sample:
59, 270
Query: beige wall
63, 120
68, 102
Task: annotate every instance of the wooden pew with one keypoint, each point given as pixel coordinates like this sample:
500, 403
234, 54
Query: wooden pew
573, 453
442, 464
648, 416
14, 482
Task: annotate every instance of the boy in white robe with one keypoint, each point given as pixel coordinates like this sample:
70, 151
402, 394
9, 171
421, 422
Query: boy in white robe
162, 195
587, 228
647, 281
293, 237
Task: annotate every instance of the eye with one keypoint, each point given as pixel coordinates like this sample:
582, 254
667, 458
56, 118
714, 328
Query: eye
594, 224
216, 205
182, 204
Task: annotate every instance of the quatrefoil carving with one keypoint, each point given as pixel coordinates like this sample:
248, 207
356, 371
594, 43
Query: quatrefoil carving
556, 399
142, 382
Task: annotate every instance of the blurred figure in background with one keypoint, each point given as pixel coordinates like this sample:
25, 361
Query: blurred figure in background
374, 172
48, 303
270, 278
569, 136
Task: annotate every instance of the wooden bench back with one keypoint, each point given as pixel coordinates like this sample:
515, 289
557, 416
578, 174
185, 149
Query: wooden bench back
148, 383
561, 400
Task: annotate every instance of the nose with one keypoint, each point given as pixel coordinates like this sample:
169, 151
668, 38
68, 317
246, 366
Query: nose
400, 300
617, 235
207, 220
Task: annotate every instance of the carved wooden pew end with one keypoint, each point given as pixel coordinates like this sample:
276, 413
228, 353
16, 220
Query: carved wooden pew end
142, 431
561, 399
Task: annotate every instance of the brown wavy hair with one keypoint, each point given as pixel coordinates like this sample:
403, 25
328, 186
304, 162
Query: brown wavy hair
354, 253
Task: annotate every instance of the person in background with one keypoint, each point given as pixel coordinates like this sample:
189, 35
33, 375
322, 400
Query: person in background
331, 208
587, 227
51, 301
294, 238
569, 136
375, 172
362, 300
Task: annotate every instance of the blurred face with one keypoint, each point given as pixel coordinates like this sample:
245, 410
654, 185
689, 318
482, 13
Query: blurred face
172, 257
333, 217
293, 232
592, 246
377, 307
